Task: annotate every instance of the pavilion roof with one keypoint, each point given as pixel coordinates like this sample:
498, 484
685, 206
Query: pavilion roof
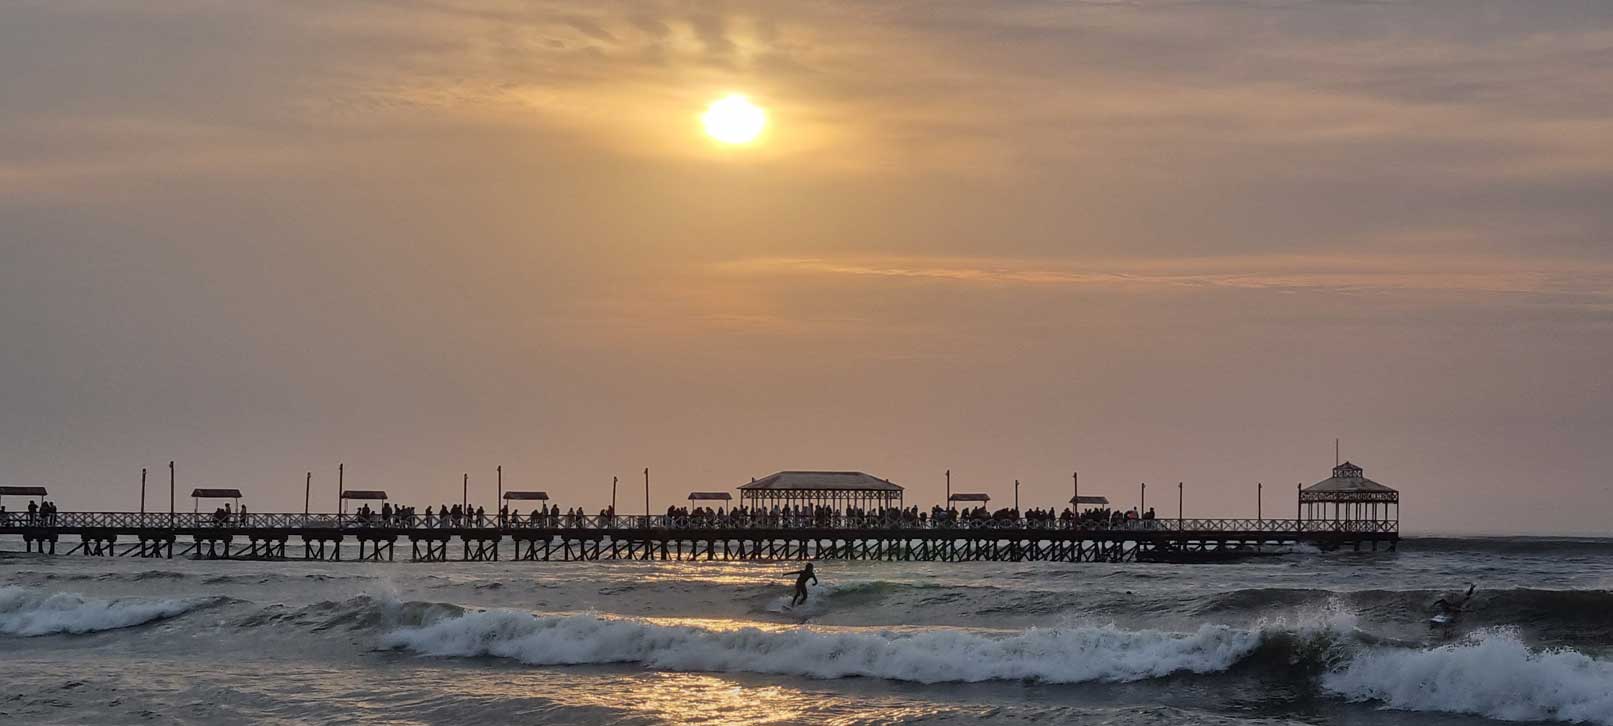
855, 481
1084, 499
711, 496
969, 498
1348, 479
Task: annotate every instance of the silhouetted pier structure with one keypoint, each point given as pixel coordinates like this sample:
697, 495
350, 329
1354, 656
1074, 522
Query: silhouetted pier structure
569, 538
797, 515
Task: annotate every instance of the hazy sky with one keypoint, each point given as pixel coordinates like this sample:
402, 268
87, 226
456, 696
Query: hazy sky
1152, 240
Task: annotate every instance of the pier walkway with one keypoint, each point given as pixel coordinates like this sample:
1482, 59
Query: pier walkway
574, 537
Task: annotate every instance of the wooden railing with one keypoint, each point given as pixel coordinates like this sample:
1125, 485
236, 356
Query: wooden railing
188, 522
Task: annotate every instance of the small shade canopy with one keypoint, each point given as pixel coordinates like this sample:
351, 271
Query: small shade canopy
969, 498
364, 494
216, 493
710, 496
30, 492
538, 496
22, 491
1100, 501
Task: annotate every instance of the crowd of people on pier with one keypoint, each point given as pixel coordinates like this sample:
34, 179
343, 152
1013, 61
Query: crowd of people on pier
41, 513
457, 516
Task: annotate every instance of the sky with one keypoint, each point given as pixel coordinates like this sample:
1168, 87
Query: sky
1153, 241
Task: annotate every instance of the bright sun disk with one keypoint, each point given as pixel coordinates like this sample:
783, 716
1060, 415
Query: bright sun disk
734, 120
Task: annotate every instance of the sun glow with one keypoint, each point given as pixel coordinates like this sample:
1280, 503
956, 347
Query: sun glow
734, 120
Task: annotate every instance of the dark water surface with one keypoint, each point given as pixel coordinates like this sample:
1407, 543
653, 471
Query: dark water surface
1302, 638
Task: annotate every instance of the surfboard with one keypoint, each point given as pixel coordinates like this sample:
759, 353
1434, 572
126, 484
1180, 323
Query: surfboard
1442, 619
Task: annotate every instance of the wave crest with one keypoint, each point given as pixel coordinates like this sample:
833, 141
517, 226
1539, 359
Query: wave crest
1063, 655
1492, 673
27, 613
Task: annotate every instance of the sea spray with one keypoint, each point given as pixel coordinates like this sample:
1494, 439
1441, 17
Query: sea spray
1046, 655
27, 612
1491, 673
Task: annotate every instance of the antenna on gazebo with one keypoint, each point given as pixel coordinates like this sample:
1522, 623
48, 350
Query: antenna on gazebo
1336, 458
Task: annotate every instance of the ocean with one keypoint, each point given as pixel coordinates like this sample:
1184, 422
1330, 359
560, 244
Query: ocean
1337, 638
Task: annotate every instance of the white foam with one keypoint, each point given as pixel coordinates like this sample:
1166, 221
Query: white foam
1065, 655
1492, 673
26, 612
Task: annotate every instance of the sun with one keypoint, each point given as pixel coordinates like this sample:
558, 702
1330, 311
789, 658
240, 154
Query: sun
734, 120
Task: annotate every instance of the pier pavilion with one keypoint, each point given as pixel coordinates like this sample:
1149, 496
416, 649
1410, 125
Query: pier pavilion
1350, 500
835, 489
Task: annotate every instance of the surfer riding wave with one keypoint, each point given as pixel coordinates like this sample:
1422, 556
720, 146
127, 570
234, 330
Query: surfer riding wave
801, 577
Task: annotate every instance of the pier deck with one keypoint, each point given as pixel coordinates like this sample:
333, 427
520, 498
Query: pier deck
571, 538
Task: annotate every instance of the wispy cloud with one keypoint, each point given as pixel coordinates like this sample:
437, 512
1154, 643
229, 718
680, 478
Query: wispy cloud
1335, 274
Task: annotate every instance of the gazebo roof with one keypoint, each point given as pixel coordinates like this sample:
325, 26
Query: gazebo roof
711, 496
1348, 483
849, 481
969, 498
1084, 499
1348, 478
216, 493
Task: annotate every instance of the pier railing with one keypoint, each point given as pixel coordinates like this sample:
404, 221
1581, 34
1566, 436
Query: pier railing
191, 522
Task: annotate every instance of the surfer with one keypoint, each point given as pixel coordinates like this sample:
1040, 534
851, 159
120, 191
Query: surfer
1452, 606
801, 577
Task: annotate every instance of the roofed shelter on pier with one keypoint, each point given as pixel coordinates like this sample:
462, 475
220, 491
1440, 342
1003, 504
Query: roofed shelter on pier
834, 489
38, 493
1354, 498
197, 495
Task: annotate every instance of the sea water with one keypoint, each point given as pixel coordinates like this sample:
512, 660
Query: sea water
1336, 638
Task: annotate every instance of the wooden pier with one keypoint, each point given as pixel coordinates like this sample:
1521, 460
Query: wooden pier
320, 537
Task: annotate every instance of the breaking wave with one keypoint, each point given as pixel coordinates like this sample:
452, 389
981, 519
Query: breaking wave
27, 613
1492, 673
1052, 655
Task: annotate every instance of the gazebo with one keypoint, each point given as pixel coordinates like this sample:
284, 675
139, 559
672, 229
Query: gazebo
1094, 501
526, 496
835, 489
710, 497
1354, 498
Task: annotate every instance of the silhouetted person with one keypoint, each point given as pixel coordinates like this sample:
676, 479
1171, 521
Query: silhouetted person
1454, 605
801, 578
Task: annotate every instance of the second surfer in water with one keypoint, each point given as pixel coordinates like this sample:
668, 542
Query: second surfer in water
801, 577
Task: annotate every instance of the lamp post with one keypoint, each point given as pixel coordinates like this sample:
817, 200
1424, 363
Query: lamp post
1178, 505
341, 490
1142, 505
948, 502
307, 492
1260, 497
170, 493
1016, 497
142, 495
613, 501
646, 496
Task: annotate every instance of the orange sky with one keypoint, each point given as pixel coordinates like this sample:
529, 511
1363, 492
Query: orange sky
1154, 241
